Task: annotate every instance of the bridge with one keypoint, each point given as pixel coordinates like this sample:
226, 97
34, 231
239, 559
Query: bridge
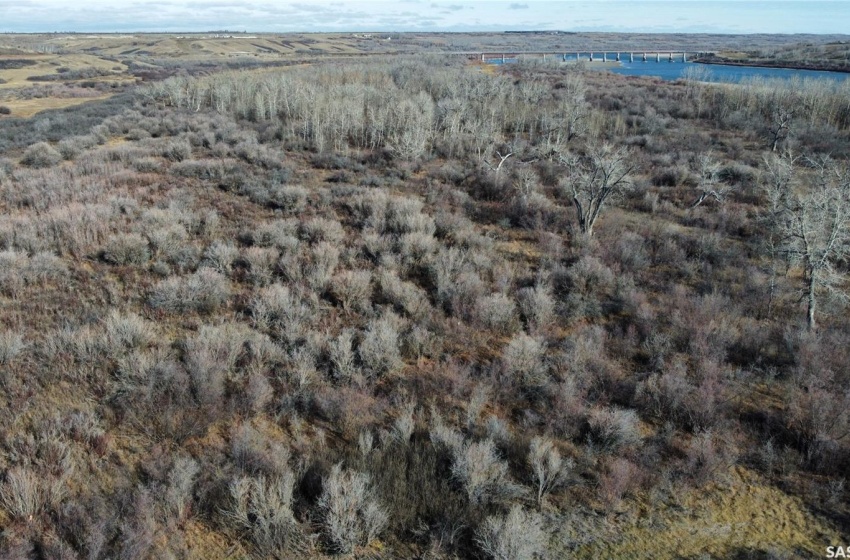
643, 55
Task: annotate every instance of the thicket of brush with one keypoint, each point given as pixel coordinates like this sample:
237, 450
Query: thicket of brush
352, 309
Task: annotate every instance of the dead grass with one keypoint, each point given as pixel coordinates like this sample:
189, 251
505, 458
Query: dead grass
208, 544
48, 64
29, 107
743, 513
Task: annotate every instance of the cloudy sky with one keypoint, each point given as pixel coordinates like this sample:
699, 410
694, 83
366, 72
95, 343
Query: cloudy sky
722, 16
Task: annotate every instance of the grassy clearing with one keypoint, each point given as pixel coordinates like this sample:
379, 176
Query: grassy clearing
742, 513
49, 64
28, 107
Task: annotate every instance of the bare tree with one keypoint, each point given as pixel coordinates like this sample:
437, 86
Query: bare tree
549, 470
603, 172
708, 180
497, 169
777, 182
811, 218
779, 120
570, 117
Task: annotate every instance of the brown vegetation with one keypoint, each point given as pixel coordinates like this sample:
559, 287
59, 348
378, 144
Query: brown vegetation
358, 310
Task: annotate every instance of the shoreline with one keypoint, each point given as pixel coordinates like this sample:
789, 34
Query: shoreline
764, 64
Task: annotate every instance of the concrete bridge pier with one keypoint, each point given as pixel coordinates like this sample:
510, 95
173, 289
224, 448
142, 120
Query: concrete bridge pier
657, 57
591, 57
684, 57
671, 58
503, 58
618, 57
604, 57
631, 57
644, 57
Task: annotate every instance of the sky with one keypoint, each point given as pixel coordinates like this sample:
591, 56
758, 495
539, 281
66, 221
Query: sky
656, 16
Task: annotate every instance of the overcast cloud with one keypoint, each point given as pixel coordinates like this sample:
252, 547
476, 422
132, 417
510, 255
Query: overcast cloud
726, 16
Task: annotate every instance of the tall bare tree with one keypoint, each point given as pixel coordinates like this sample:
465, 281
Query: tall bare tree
811, 216
777, 181
601, 173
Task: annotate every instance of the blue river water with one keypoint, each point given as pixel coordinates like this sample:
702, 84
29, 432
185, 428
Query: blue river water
717, 72
667, 70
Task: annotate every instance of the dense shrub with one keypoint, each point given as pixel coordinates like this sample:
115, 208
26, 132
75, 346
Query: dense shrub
350, 515
41, 155
204, 291
519, 535
126, 249
380, 348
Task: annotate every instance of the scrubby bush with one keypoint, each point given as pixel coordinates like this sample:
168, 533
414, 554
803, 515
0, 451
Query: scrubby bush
482, 474
353, 289
519, 535
277, 309
220, 256
41, 155
262, 509
342, 357
321, 263
127, 332
497, 312
70, 148
126, 249
614, 428
289, 198
537, 306
523, 362
404, 296
548, 469
350, 515
22, 494
11, 345
380, 348
210, 357
620, 478
176, 150
261, 262
204, 291
317, 230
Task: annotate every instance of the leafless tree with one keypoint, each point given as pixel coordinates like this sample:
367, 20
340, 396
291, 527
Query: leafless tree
602, 173
811, 218
708, 180
549, 470
779, 120
574, 109
777, 181
497, 168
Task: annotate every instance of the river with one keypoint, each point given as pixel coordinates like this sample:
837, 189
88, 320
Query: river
677, 69
716, 72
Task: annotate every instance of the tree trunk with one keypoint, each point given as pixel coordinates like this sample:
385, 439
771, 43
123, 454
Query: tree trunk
810, 314
700, 200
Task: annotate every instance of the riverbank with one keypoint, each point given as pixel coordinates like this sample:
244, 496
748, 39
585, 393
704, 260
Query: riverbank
787, 65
